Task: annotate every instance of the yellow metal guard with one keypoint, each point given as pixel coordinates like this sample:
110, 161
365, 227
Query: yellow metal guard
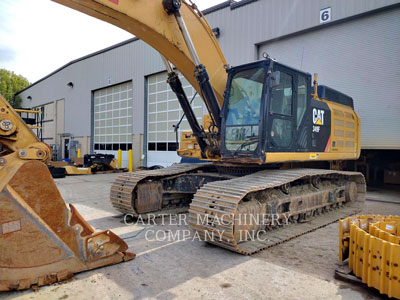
372, 245
119, 159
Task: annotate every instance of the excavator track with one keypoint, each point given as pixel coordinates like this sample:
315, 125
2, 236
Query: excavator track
297, 196
124, 188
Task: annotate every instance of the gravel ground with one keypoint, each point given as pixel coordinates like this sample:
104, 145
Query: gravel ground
302, 268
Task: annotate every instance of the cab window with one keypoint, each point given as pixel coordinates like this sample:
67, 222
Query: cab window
282, 96
301, 99
281, 110
243, 115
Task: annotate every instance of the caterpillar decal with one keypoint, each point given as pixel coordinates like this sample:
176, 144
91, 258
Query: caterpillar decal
318, 116
321, 126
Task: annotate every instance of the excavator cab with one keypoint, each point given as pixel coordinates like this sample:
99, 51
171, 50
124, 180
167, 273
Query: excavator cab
265, 110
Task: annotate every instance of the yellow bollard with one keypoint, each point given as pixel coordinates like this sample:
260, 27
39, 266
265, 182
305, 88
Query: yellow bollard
119, 158
79, 153
130, 161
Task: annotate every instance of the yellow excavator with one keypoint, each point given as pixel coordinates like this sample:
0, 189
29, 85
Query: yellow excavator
267, 127
272, 146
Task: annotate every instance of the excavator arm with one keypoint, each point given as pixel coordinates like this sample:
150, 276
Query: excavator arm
148, 20
168, 26
16, 137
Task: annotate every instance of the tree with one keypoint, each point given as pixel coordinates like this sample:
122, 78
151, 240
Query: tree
10, 84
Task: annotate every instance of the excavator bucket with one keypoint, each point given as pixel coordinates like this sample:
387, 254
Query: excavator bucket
42, 241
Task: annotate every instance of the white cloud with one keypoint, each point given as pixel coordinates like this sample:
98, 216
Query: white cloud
40, 36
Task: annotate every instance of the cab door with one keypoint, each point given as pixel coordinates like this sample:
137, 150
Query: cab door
281, 119
288, 109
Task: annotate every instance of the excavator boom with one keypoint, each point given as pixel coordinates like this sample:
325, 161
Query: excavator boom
147, 20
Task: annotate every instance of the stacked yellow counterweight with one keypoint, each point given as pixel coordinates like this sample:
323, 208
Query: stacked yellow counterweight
372, 245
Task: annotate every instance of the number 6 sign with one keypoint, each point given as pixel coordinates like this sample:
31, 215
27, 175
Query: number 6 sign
325, 15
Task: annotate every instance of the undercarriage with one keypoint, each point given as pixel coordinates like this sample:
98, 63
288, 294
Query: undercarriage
243, 213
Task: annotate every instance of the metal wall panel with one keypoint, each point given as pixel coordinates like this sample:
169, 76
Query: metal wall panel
242, 29
360, 58
129, 62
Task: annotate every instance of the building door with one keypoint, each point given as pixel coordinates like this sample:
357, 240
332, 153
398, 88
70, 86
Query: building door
66, 152
164, 112
112, 107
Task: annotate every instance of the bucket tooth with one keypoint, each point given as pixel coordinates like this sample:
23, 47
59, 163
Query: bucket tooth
42, 241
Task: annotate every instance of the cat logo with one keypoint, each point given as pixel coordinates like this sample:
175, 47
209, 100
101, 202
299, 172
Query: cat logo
318, 116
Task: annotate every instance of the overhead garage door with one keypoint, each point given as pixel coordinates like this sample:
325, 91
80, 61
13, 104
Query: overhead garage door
164, 112
113, 120
361, 58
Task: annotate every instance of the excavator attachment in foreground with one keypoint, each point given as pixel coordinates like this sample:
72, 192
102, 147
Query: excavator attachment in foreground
42, 241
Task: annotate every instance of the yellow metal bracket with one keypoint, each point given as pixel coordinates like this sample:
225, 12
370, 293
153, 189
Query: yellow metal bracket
372, 245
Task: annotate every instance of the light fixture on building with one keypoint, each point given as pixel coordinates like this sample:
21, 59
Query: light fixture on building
267, 56
70, 84
216, 32
29, 98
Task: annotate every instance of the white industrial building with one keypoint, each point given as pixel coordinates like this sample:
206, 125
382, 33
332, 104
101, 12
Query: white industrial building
118, 98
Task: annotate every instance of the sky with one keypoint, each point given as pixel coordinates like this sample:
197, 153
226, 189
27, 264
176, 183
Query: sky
39, 36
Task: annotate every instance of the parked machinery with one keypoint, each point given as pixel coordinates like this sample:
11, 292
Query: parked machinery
94, 163
267, 126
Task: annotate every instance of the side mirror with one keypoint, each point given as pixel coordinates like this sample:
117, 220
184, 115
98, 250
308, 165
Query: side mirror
275, 78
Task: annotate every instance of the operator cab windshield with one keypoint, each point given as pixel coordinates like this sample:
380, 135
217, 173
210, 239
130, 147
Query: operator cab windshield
244, 105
